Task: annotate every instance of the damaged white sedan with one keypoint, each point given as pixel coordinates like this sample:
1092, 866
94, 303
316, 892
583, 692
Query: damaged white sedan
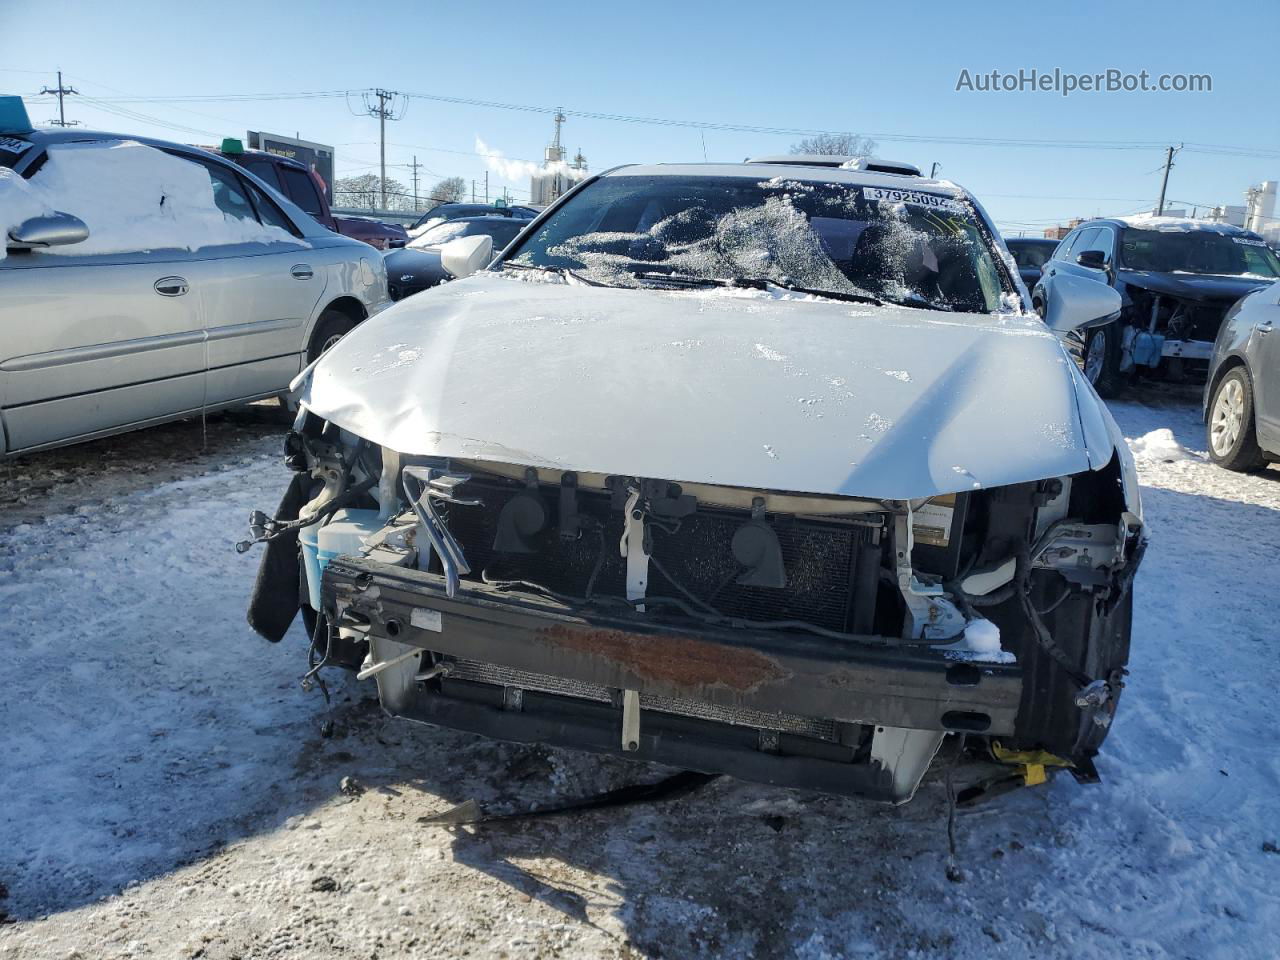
753, 469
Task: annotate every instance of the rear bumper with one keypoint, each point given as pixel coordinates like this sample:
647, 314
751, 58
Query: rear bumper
784, 708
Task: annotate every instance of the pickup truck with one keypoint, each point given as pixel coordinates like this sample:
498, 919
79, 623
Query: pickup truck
296, 182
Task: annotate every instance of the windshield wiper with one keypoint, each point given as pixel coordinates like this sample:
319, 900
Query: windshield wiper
749, 283
562, 271
921, 303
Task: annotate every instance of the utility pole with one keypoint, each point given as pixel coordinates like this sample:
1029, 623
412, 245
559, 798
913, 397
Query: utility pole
415, 182
486, 186
933, 171
1164, 183
61, 91
384, 111
473, 191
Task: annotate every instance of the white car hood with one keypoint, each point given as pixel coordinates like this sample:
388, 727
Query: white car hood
734, 388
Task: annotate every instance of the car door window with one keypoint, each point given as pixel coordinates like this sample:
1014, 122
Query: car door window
228, 193
269, 211
1064, 248
1081, 244
1101, 239
301, 189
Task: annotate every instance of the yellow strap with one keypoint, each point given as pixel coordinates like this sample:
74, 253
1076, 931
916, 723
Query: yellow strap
1033, 774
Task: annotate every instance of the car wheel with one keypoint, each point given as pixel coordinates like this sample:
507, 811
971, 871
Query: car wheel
332, 326
1232, 441
1102, 359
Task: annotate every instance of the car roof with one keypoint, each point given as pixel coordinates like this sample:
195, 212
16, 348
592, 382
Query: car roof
1173, 225
1023, 241
791, 171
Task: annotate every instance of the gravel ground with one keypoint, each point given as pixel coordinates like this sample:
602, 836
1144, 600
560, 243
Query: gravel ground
167, 792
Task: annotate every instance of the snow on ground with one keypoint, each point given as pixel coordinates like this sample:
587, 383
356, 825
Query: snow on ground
167, 793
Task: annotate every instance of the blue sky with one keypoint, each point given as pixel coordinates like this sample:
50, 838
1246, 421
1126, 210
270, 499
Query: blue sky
884, 69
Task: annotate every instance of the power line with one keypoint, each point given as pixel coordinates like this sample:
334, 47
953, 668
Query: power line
384, 111
1059, 143
61, 92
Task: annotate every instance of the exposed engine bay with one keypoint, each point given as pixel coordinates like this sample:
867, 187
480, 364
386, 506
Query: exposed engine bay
827, 642
1173, 333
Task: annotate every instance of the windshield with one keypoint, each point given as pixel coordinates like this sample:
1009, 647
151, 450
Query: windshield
1197, 251
904, 246
439, 233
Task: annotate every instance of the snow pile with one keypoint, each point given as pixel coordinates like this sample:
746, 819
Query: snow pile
1158, 445
18, 203
980, 644
132, 197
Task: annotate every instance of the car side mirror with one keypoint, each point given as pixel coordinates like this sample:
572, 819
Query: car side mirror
52, 230
396, 244
1074, 303
1093, 260
466, 255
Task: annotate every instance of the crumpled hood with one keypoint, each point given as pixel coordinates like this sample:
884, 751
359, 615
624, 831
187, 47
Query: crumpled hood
722, 387
1192, 286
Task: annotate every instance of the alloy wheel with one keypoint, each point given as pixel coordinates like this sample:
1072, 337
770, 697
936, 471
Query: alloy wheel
1095, 356
1227, 418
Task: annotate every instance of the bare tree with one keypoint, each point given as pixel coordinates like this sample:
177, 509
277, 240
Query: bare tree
449, 190
840, 144
365, 193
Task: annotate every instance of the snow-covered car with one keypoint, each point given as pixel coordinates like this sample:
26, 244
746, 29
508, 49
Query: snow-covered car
756, 469
1176, 279
144, 281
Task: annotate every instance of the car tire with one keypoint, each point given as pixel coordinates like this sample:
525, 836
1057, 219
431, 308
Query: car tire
1102, 359
1229, 427
332, 326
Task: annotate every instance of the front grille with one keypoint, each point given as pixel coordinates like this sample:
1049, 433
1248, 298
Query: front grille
736, 716
819, 558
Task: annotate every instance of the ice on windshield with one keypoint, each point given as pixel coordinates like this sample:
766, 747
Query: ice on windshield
440, 233
901, 246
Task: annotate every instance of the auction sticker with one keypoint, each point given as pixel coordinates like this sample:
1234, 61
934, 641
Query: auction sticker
915, 197
15, 146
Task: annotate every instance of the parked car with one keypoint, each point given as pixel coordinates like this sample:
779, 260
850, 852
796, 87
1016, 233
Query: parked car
453, 211
744, 468
300, 184
1242, 394
417, 267
187, 286
1030, 254
1176, 279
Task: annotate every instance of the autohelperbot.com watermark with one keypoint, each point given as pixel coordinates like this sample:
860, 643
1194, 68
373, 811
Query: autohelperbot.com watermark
1065, 82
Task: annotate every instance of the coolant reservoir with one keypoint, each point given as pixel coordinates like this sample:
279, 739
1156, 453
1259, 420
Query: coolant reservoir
344, 534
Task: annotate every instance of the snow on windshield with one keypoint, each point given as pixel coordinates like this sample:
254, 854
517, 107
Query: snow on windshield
133, 197
902, 246
442, 232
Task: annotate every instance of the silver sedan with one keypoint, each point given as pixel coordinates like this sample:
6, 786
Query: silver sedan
151, 281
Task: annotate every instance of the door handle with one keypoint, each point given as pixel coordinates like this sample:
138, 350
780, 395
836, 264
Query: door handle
171, 286
301, 271
1053, 272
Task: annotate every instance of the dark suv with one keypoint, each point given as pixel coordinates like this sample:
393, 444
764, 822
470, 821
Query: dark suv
1176, 279
296, 182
